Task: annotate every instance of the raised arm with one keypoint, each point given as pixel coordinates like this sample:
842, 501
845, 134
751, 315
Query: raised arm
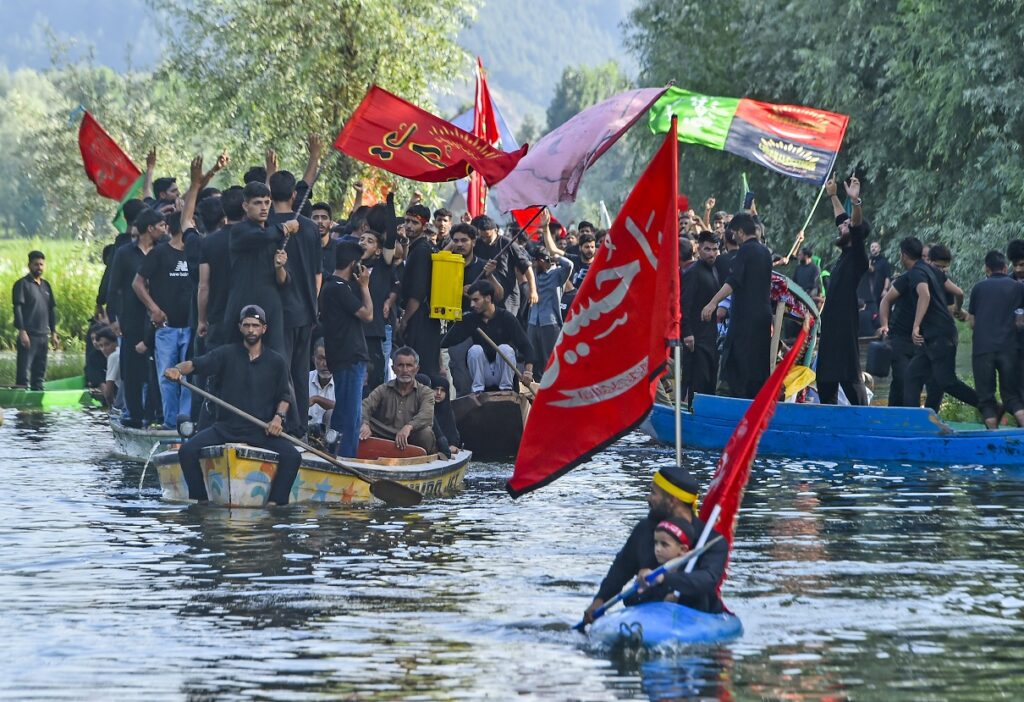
315, 146
147, 181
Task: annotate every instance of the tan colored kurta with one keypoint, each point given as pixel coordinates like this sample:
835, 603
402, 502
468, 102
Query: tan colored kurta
387, 411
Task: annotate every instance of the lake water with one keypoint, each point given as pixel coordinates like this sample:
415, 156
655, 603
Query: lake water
853, 581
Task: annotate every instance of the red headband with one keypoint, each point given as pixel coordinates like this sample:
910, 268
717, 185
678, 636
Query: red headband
675, 531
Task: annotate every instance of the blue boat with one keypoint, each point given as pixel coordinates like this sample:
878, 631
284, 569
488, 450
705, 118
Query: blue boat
829, 432
657, 623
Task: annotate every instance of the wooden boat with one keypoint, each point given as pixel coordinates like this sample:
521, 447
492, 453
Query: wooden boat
140, 444
829, 432
239, 475
664, 623
66, 392
491, 423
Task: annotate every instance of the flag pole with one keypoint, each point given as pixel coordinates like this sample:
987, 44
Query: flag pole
677, 353
677, 342
807, 222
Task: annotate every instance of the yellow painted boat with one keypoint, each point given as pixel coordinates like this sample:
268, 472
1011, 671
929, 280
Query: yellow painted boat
239, 475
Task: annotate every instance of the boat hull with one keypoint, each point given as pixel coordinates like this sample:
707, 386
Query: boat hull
664, 623
239, 475
491, 423
819, 432
140, 444
67, 392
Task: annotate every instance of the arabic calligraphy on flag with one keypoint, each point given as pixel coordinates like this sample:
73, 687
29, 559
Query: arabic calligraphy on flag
799, 142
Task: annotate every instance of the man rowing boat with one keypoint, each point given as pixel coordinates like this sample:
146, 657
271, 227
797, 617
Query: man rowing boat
673, 496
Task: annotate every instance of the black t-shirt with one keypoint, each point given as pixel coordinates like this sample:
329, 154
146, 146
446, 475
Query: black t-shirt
254, 386
502, 328
938, 322
305, 262
417, 273
342, 330
878, 276
723, 264
215, 252
993, 301
512, 259
166, 271
383, 281
329, 256
901, 315
808, 277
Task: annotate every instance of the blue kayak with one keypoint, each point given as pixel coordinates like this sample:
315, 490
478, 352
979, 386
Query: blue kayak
657, 623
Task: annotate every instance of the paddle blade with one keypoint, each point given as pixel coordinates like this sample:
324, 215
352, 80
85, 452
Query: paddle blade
394, 493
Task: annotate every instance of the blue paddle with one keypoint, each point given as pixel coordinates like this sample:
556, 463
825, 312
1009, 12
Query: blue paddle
651, 578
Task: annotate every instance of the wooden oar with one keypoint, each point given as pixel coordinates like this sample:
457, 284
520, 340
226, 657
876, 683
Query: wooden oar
652, 577
508, 362
390, 491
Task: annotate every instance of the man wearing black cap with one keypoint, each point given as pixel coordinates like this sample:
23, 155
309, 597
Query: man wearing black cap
838, 352
253, 378
673, 496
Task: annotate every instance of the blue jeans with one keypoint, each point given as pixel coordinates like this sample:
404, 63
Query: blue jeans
348, 406
171, 347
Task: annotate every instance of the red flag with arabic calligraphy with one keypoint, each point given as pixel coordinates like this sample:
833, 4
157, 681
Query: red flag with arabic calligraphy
601, 378
389, 133
105, 163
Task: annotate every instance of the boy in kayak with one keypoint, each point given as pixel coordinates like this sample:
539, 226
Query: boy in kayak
672, 538
673, 496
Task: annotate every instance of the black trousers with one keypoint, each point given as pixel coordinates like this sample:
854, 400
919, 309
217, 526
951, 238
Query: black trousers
423, 334
134, 376
828, 392
700, 371
31, 370
288, 459
936, 360
543, 339
903, 351
376, 369
298, 356
987, 367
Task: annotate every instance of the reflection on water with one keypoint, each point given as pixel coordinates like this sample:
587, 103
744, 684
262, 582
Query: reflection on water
853, 582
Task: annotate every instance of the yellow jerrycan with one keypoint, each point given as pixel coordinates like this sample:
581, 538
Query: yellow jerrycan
447, 272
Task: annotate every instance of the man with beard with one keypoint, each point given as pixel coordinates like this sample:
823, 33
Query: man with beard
511, 259
880, 273
745, 366
700, 338
36, 321
322, 216
401, 410
416, 326
442, 227
673, 496
581, 263
253, 378
838, 353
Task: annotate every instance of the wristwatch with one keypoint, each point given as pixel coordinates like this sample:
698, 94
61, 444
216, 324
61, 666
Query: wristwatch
282, 415
857, 201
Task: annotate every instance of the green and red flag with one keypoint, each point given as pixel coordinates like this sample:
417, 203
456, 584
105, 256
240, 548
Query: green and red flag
113, 173
800, 142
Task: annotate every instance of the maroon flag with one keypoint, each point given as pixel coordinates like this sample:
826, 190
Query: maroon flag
733, 469
105, 163
601, 378
389, 133
485, 126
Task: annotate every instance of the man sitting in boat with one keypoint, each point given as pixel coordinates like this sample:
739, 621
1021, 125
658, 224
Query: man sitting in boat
253, 378
496, 332
401, 410
673, 496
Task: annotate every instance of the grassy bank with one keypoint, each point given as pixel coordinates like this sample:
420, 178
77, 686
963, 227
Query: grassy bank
59, 365
73, 269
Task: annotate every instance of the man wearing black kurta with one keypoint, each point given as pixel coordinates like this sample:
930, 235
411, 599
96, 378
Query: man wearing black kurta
673, 496
418, 329
700, 339
838, 353
746, 362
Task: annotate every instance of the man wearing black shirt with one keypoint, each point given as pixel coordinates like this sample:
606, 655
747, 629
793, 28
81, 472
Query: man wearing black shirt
838, 352
345, 304
163, 286
992, 307
700, 339
502, 327
215, 271
581, 262
808, 276
417, 328
36, 321
299, 294
463, 239
129, 314
746, 359
511, 259
322, 217
880, 272
933, 332
254, 379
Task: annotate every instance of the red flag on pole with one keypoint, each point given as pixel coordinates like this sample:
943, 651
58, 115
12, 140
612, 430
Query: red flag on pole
733, 469
389, 133
601, 378
485, 127
105, 163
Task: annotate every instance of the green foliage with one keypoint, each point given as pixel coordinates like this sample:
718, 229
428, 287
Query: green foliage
58, 365
583, 86
932, 88
73, 269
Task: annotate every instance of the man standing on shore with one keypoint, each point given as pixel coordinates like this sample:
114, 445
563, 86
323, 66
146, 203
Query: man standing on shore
36, 321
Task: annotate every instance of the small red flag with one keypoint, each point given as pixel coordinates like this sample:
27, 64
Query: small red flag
485, 127
105, 163
528, 220
389, 133
601, 378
